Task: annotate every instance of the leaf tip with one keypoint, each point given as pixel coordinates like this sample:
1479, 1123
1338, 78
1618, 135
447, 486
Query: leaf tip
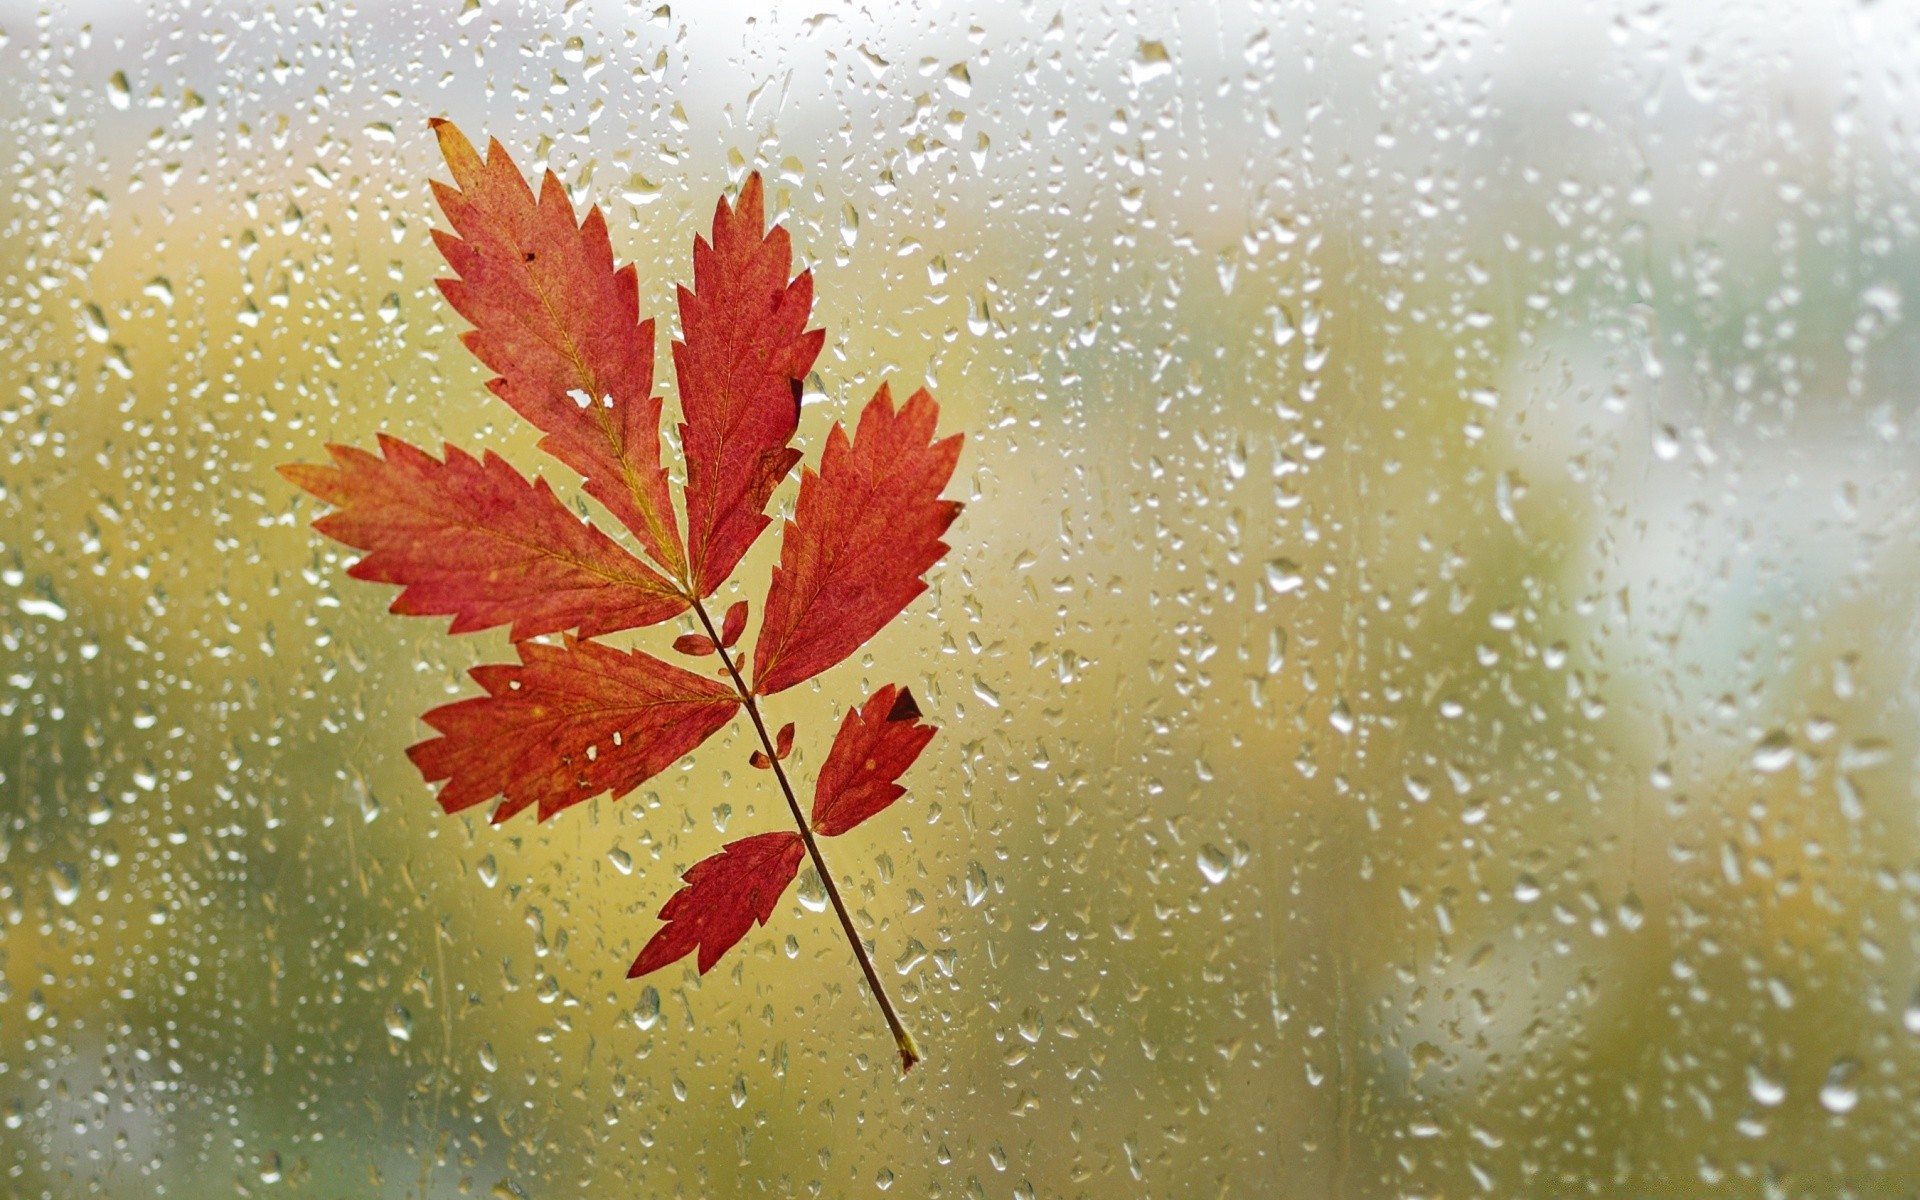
652, 957
455, 148
904, 708
752, 203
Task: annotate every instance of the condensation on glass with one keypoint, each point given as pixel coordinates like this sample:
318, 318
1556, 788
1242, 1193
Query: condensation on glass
1427, 668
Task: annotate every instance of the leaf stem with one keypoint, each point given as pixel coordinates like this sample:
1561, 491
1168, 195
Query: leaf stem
909, 1052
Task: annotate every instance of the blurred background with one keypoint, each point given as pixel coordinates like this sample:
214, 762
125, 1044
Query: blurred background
1428, 668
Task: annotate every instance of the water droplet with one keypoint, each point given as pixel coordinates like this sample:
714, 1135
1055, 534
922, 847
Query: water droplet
488, 871
1840, 1093
911, 956
1032, 1025
1764, 1088
639, 190
399, 1024
1283, 576
1213, 864
1151, 61
1885, 300
975, 885
65, 882
1774, 753
646, 1011
1284, 328
1526, 889
119, 91
811, 895
1666, 443
487, 1060
1631, 913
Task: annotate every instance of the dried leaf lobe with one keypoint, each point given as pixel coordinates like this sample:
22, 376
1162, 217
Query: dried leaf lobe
724, 896
565, 724
865, 530
743, 353
475, 540
876, 744
561, 326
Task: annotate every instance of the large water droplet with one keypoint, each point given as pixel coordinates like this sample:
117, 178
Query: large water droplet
812, 896
646, 1011
1841, 1093
1631, 913
1774, 752
975, 885
65, 882
1151, 61
1283, 576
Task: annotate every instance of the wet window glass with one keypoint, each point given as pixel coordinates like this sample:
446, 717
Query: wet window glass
1425, 674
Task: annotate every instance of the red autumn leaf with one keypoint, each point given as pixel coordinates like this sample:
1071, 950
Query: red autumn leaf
866, 529
759, 761
876, 744
734, 625
566, 724
476, 540
473, 539
724, 896
695, 644
562, 328
743, 353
